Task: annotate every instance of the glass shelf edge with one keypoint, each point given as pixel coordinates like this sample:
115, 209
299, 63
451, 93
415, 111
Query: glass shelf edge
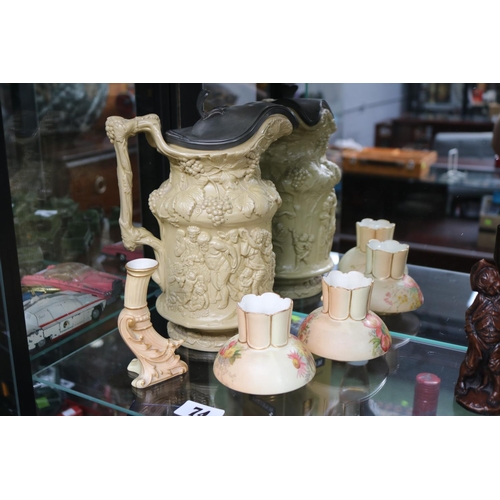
435, 343
420, 340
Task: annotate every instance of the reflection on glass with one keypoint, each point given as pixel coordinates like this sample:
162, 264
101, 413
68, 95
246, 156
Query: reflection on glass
354, 388
229, 94
62, 174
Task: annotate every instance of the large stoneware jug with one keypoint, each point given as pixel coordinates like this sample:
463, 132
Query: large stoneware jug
304, 225
214, 214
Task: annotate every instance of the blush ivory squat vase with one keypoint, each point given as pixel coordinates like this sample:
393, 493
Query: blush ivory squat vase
344, 328
264, 358
366, 229
214, 214
394, 290
304, 225
156, 360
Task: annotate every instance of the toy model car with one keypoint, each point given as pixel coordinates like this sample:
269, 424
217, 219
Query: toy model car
31, 291
54, 315
119, 250
77, 277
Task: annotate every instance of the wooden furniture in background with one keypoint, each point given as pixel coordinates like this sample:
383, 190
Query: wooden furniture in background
419, 133
388, 161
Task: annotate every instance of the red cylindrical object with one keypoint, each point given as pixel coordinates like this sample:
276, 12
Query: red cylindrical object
425, 399
497, 161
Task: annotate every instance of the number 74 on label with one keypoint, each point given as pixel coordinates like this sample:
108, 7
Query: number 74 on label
192, 409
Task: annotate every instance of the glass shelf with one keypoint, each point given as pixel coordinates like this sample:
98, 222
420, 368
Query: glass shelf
385, 385
431, 339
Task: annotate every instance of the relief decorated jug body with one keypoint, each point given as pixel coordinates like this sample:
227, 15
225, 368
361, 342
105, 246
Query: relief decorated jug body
214, 214
304, 225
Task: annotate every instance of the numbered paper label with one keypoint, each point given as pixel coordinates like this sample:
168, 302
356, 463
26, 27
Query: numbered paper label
192, 409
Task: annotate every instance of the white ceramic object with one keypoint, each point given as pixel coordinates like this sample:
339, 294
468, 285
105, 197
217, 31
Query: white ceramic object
344, 328
394, 291
366, 230
264, 358
155, 360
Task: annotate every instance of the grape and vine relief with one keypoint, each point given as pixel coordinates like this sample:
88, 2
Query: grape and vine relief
219, 188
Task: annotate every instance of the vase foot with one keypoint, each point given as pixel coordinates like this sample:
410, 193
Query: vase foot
206, 341
134, 366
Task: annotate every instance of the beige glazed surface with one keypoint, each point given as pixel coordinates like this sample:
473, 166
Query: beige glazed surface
367, 229
394, 291
155, 360
264, 358
214, 214
344, 328
304, 225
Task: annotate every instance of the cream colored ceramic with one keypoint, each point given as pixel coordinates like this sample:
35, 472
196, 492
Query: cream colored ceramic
344, 328
394, 291
264, 358
214, 215
156, 360
366, 230
304, 225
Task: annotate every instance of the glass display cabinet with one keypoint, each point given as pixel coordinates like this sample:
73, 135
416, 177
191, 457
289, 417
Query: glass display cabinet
60, 206
60, 202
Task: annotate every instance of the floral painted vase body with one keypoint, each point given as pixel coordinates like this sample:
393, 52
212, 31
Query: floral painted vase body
394, 291
304, 225
264, 358
344, 328
214, 214
367, 229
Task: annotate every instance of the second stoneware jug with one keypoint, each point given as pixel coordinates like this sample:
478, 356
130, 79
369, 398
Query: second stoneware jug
214, 214
304, 225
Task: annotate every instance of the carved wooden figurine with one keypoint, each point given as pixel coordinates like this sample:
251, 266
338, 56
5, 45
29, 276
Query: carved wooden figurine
478, 384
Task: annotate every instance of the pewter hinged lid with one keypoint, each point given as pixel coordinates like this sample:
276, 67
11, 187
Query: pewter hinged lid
225, 127
308, 110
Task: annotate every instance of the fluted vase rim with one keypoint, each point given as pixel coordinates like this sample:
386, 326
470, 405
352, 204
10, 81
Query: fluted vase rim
390, 246
268, 303
352, 280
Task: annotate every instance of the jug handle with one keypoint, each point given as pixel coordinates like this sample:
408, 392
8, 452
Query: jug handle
118, 130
